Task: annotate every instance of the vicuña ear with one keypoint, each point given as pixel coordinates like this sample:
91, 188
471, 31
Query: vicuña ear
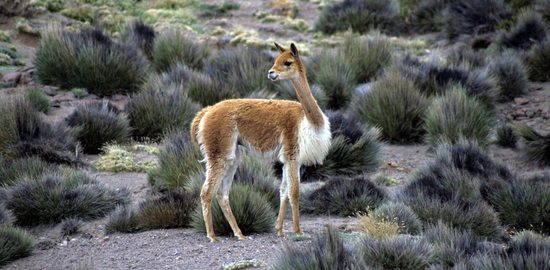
281, 49
293, 50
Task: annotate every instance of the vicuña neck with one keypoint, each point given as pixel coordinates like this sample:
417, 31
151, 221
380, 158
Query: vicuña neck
312, 111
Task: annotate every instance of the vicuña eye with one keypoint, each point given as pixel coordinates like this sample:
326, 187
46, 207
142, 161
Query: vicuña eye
287, 63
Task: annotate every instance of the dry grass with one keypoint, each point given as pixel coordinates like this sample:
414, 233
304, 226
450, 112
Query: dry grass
378, 228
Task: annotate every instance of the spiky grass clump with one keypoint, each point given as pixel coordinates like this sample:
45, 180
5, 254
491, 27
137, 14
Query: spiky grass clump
326, 252
528, 30
172, 47
336, 78
157, 110
345, 158
523, 205
428, 16
122, 219
506, 136
401, 252
70, 226
13, 170
395, 105
142, 36
345, 124
178, 161
538, 62
254, 173
172, 209
401, 214
454, 116
38, 99
6, 217
52, 198
543, 7
251, 209
359, 15
378, 228
367, 56
463, 54
25, 133
344, 197
14, 7
537, 146
473, 17
14, 244
89, 59
510, 74
95, 124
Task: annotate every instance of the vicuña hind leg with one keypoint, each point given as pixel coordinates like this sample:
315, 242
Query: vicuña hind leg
214, 173
283, 195
223, 193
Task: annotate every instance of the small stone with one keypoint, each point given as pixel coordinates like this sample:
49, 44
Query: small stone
50, 90
104, 240
12, 77
393, 164
64, 243
521, 101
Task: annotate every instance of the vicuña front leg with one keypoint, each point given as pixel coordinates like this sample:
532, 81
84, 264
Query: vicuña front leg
283, 191
294, 186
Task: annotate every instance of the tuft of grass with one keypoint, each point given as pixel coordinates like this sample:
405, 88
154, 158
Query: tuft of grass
172, 209
428, 15
326, 252
543, 7
79, 93
119, 159
178, 161
378, 228
511, 76
385, 180
359, 15
337, 81
463, 54
38, 99
122, 219
400, 214
12, 171
172, 47
367, 56
15, 244
528, 30
143, 36
158, 109
474, 17
538, 61
401, 252
89, 59
260, 177
52, 198
346, 124
95, 124
506, 136
251, 209
537, 146
6, 217
456, 116
344, 197
212, 10
70, 226
396, 106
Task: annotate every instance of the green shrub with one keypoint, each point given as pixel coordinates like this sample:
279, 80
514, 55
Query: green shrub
14, 244
13, 170
510, 74
251, 209
359, 15
344, 197
52, 198
506, 136
454, 116
337, 81
172, 209
537, 146
528, 242
172, 47
401, 252
428, 15
528, 30
79, 93
157, 110
473, 17
367, 56
178, 161
122, 219
38, 99
70, 226
6, 217
538, 61
89, 59
395, 105
403, 215
95, 124
326, 252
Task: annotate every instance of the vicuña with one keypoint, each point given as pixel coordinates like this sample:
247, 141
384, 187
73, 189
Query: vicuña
298, 133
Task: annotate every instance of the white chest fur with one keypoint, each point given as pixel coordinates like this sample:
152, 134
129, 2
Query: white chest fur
313, 142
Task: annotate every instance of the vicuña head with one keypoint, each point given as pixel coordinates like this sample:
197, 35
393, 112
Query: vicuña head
296, 132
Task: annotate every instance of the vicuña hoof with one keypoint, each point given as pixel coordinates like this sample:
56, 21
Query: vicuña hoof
280, 233
213, 239
242, 237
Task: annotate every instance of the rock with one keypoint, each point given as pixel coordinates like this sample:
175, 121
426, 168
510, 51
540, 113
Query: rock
12, 77
86, 236
64, 243
521, 101
50, 90
104, 240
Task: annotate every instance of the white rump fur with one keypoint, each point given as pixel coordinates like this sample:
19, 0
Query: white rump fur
313, 142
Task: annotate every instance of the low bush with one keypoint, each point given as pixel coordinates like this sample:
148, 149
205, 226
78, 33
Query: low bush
95, 124
251, 209
178, 161
172, 47
6, 217
344, 197
396, 106
428, 15
345, 124
142, 36
455, 116
173, 209
359, 15
528, 242
52, 198
401, 214
13, 170
463, 54
337, 81
89, 59
506, 136
14, 244
473, 17
528, 30
70, 226
538, 61
156, 110
326, 252
38, 99
537, 146
122, 219
378, 227
367, 56
511, 76
401, 252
